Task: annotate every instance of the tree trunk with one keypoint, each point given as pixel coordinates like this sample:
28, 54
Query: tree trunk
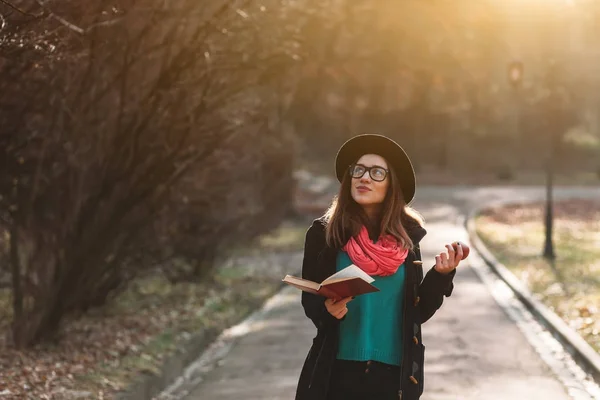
15, 265
39, 324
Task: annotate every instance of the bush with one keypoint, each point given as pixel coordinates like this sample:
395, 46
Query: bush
231, 197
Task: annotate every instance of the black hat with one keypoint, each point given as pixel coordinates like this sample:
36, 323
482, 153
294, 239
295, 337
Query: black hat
385, 147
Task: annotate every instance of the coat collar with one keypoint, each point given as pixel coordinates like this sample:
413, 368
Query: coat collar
416, 233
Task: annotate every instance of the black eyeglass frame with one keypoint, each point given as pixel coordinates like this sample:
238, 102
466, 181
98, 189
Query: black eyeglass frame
367, 169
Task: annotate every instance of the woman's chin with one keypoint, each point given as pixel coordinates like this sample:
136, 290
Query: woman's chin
360, 200
364, 202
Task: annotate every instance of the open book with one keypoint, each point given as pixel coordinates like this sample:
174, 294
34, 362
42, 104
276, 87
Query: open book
351, 281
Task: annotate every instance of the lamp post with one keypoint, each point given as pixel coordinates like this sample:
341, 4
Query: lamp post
515, 78
555, 124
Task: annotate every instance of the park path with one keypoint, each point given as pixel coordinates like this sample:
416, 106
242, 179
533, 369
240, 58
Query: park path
474, 350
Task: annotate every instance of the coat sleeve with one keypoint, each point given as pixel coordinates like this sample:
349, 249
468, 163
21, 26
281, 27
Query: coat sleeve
314, 305
432, 290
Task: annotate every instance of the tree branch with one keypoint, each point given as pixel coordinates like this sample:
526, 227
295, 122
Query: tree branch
70, 25
63, 21
10, 5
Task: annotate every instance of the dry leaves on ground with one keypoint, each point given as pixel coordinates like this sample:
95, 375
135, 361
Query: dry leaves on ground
104, 350
572, 210
103, 337
570, 286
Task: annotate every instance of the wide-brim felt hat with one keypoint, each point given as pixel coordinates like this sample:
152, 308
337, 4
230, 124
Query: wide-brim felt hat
385, 147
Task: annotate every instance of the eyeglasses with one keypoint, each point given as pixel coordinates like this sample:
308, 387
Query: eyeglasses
378, 174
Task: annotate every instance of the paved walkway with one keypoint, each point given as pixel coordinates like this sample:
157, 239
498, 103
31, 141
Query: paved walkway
474, 350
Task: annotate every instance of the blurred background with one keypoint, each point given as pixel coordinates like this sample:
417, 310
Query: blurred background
150, 139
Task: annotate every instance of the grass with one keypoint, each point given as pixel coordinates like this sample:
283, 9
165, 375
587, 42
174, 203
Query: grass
288, 237
570, 285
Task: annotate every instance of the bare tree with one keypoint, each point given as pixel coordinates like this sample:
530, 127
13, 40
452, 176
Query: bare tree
136, 94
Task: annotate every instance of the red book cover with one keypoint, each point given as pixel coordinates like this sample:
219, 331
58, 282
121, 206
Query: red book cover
351, 281
346, 288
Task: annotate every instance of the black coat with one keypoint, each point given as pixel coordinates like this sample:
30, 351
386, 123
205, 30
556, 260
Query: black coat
423, 297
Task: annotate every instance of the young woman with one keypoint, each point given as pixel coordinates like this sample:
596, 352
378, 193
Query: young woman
369, 347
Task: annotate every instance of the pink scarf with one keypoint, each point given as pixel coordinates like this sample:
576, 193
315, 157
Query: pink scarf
382, 258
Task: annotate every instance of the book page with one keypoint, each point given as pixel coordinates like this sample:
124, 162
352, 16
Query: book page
301, 283
351, 271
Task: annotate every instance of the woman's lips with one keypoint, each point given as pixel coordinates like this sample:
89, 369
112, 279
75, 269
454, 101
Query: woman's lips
363, 189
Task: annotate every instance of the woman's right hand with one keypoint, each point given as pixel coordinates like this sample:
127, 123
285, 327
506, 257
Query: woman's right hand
337, 308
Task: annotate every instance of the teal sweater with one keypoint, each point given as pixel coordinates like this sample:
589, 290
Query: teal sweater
372, 327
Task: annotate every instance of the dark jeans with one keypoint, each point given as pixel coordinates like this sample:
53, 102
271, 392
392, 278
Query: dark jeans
364, 380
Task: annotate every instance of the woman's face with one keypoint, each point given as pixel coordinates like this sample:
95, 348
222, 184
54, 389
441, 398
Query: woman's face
366, 191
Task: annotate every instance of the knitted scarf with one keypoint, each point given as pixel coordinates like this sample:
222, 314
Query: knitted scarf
382, 258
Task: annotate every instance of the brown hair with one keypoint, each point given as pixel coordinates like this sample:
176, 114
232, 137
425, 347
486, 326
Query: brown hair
345, 216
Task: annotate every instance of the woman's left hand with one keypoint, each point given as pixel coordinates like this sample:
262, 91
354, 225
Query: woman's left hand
446, 262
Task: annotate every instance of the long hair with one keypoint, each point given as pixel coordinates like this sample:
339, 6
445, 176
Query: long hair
345, 217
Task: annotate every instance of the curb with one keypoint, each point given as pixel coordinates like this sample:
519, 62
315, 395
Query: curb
195, 373
581, 351
149, 385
